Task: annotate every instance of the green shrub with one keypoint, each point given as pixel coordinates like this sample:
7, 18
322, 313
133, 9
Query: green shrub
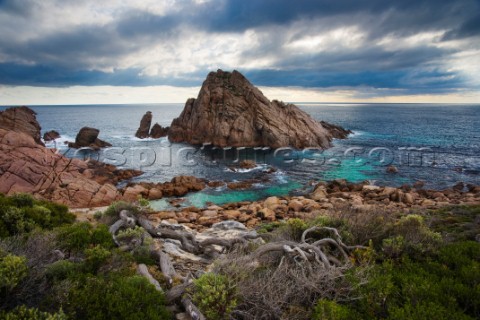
24, 313
117, 297
214, 295
425, 311
21, 200
15, 221
114, 209
80, 236
445, 285
411, 236
101, 236
330, 310
130, 234
61, 270
13, 269
21, 213
95, 257
75, 237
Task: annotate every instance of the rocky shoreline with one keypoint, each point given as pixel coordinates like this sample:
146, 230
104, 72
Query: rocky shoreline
326, 197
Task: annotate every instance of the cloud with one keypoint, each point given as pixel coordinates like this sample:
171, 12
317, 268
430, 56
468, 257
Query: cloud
418, 46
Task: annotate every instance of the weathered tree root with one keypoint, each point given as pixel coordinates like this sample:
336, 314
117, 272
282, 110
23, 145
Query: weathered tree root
326, 253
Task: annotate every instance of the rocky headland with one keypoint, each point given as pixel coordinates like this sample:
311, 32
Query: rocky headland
231, 112
26, 165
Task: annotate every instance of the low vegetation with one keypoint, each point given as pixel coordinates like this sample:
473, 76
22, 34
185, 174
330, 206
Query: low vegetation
347, 265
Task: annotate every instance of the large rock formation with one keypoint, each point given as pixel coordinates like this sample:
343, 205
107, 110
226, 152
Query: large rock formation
27, 166
144, 130
88, 137
21, 119
230, 111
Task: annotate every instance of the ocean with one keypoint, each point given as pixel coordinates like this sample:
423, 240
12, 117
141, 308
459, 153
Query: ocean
437, 144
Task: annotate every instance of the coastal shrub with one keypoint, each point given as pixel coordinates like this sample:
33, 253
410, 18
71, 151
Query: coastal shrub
75, 237
116, 297
100, 236
22, 200
61, 270
95, 257
458, 223
374, 224
21, 213
24, 313
80, 236
13, 269
114, 209
425, 311
135, 234
377, 291
443, 285
59, 214
15, 221
412, 236
214, 295
330, 310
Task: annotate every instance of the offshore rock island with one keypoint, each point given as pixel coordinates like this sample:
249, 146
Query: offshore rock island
231, 112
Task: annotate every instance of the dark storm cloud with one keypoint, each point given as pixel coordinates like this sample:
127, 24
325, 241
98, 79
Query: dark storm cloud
76, 56
55, 76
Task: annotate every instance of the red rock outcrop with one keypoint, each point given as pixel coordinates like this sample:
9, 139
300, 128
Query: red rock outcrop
230, 111
27, 166
21, 119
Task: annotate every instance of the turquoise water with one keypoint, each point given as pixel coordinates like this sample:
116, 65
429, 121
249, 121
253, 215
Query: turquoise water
202, 198
439, 144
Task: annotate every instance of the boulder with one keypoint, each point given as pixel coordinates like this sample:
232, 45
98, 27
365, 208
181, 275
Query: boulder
392, 169
88, 137
158, 131
51, 135
319, 193
21, 119
230, 112
295, 205
144, 129
266, 214
247, 164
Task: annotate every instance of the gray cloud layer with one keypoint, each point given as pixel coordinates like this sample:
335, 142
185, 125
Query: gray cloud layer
275, 42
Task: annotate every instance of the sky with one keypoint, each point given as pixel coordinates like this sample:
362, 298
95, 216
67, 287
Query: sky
122, 51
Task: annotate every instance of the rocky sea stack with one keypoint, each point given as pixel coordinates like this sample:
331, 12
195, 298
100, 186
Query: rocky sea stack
230, 111
88, 137
144, 131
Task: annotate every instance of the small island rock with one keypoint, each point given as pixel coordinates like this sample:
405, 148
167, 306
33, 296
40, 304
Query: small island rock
51, 135
88, 137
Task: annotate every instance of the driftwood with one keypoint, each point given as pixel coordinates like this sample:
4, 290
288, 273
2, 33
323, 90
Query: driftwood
192, 310
176, 292
114, 229
166, 266
143, 271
